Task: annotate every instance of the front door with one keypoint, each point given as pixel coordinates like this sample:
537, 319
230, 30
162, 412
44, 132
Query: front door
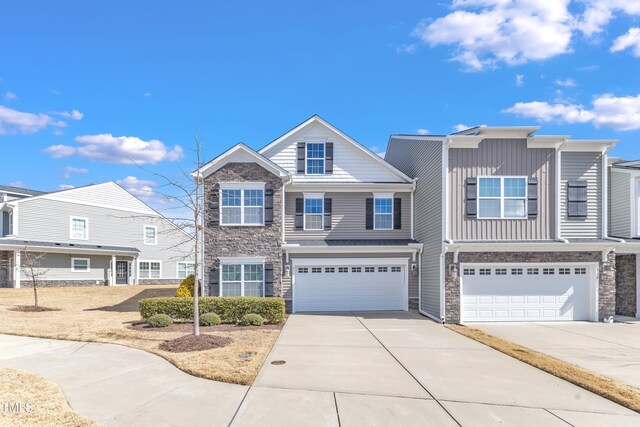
122, 272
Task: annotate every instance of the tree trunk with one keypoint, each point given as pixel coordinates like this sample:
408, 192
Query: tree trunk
35, 294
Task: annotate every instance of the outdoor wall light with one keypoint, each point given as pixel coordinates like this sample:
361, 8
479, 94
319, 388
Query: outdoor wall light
287, 270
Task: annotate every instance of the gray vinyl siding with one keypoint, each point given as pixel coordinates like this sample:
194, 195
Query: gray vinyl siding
619, 204
413, 278
347, 219
58, 267
423, 160
585, 167
502, 157
42, 219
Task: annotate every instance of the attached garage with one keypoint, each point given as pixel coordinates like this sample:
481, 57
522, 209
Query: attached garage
528, 292
350, 285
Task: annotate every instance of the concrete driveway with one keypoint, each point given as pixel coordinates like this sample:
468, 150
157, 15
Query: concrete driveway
403, 369
609, 350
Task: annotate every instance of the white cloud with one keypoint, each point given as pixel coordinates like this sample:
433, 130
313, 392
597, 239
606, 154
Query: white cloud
10, 96
598, 13
146, 94
407, 48
630, 40
70, 170
519, 79
58, 132
74, 114
568, 82
13, 121
460, 127
485, 33
618, 113
54, 91
65, 187
377, 150
143, 189
121, 149
18, 184
422, 131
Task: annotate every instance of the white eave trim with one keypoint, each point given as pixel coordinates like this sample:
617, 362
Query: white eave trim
337, 187
588, 145
66, 249
528, 246
224, 158
293, 248
464, 141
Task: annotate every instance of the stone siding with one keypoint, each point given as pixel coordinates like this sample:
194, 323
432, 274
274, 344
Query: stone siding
62, 283
243, 241
626, 296
6, 267
606, 275
159, 282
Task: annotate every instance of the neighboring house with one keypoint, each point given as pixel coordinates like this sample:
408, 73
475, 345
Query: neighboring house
313, 217
513, 225
91, 236
624, 223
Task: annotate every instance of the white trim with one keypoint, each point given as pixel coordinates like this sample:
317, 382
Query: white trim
604, 205
502, 197
297, 249
86, 221
144, 234
17, 268
242, 265
242, 186
178, 268
350, 187
218, 162
65, 249
558, 184
241, 260
324, 158
149, 261
312, 196
10, 220
383, 196
637, 287
257, 185
73, 267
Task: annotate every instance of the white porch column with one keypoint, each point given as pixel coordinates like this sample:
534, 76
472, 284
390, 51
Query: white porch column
112, 282
136, 271
17, 262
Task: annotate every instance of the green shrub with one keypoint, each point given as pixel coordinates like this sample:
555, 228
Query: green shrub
186, 287
209, 319
251, 319
230, 309
159, 321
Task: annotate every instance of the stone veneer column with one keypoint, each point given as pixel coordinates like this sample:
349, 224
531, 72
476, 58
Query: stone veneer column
626, 298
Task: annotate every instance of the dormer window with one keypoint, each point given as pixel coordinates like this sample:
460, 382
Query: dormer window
315, 158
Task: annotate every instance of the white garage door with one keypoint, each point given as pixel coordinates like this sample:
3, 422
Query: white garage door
492, 293
353, 287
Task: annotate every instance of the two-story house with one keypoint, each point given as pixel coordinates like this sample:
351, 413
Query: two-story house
313, 217
624, 223
513, 224
89, 236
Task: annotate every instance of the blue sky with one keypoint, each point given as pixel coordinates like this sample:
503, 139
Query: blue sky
85, 85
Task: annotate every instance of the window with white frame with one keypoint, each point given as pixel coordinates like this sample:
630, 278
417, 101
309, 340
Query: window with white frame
150, 269
242, 280
315, 158
11, 223
383, 213
242, 206
150, 235
80, 265
186, 269
502, 197
314, 213
79, 228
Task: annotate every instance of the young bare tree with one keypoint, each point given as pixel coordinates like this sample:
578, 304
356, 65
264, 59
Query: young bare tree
31, 266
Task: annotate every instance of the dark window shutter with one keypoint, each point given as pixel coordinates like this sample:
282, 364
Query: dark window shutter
397, 213
327, 214
328, 157
214, 210
214, 283
268, 206
472, 197
268, 279
576, 199
301, 156
299, 213
369, 214
532, 198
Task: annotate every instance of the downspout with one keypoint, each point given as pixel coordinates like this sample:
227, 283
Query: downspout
558, 184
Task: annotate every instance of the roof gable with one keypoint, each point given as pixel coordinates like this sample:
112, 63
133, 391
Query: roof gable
240, 153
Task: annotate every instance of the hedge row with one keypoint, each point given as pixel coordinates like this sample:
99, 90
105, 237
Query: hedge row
230, 309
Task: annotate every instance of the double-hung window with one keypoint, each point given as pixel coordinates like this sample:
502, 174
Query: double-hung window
80, 265
186, 269
315, 158
149, 269
502, 197
383, 213
242, 280
150, 235
313, 212
79, 228
242, 206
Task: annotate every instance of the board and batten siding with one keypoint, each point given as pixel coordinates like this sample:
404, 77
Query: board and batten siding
41, 219
584, 167
620, 204
502, 157
413, 278
348, 218
422, 159
350, 164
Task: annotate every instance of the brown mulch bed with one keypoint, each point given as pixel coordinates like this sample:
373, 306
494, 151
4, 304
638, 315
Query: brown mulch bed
32, 309
188, 327
190, 343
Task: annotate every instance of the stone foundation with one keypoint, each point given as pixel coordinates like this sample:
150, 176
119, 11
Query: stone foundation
159, 281
413, 303
626, 293
62, 283
288, 305
6, 267
606, 275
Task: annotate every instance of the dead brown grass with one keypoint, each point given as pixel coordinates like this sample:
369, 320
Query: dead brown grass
48, 406
622, 394
105, 314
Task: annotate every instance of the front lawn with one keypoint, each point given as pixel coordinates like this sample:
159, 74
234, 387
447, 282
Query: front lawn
107, 314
